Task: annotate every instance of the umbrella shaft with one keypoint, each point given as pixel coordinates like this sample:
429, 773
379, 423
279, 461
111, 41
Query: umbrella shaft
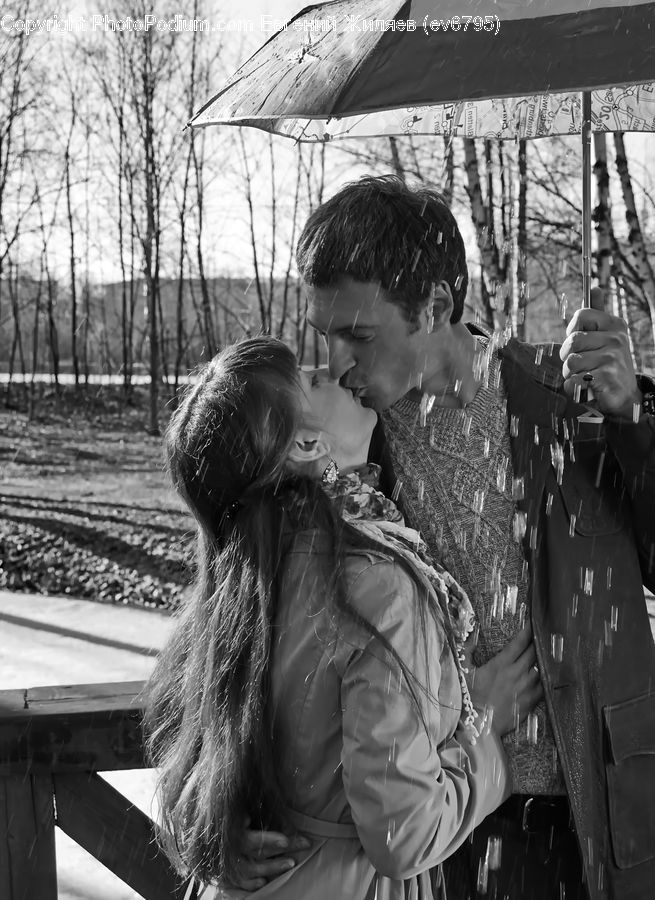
586, 198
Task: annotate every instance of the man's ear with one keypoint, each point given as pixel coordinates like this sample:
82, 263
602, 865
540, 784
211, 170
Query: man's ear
440, 305
308, 446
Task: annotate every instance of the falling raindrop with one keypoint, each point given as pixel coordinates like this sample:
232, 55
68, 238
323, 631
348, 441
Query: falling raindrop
487, 447
483, 876
532, 726
588, 581
609, 579
518, 488
577, 390
421, 491
478, 501
614, 618
549, 504
539, 356
511, 596
391, 830
572, 525
557, 646
494, 852
562, 306
574, 605
523, 609
536, 435
397, 488
557, 460
599, 473
440, 237
425, 408
501, 475
514, 426
608, 633
466, 425
519, 525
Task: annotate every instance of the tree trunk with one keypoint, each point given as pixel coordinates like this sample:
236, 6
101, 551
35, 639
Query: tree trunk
149, 245
395, 159
253, 240
522, 242
640, 264
35, 346
287, 274
71, 232
631, 307
17, 341
601, 214
125, 329
53, 336
209, 329
449, 170
490, 274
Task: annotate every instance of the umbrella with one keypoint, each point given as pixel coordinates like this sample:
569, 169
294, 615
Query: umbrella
505, 68
481, 68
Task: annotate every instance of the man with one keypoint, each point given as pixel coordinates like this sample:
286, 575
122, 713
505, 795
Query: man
536, 513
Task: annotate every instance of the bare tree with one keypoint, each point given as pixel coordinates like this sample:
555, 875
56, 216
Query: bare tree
522, 241
637, 280
601, 214
71, 235
18, 97
482, 216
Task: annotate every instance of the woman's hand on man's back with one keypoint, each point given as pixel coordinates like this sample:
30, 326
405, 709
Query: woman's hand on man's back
265, 855
509, 684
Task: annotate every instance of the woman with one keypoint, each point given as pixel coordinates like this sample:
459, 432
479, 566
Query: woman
312, 682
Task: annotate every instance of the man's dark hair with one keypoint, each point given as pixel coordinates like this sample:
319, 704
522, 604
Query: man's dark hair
380, 230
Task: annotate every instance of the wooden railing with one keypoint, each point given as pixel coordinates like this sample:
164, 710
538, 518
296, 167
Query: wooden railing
53, 743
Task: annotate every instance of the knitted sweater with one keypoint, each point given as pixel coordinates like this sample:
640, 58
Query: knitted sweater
458, 489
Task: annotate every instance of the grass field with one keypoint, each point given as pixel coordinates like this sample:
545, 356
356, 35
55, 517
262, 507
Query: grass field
85, 508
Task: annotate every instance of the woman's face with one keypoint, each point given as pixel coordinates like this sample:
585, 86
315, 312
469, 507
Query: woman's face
332, 410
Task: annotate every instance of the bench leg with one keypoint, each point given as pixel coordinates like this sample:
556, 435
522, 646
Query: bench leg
28, 867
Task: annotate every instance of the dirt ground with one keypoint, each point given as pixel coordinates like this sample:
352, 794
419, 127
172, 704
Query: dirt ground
85, 508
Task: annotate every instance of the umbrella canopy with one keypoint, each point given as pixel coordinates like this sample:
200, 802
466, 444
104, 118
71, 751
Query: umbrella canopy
509, 68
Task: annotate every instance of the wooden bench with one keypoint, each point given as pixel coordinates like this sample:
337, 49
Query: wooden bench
53, 743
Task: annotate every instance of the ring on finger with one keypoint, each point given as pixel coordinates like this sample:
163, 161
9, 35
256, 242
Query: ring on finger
588, 377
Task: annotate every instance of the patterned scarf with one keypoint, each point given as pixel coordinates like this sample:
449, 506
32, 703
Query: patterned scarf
366, 508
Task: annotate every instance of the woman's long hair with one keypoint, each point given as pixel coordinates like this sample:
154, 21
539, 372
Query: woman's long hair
206, 723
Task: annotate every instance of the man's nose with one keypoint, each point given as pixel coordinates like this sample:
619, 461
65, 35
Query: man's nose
340, 357
322, 375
